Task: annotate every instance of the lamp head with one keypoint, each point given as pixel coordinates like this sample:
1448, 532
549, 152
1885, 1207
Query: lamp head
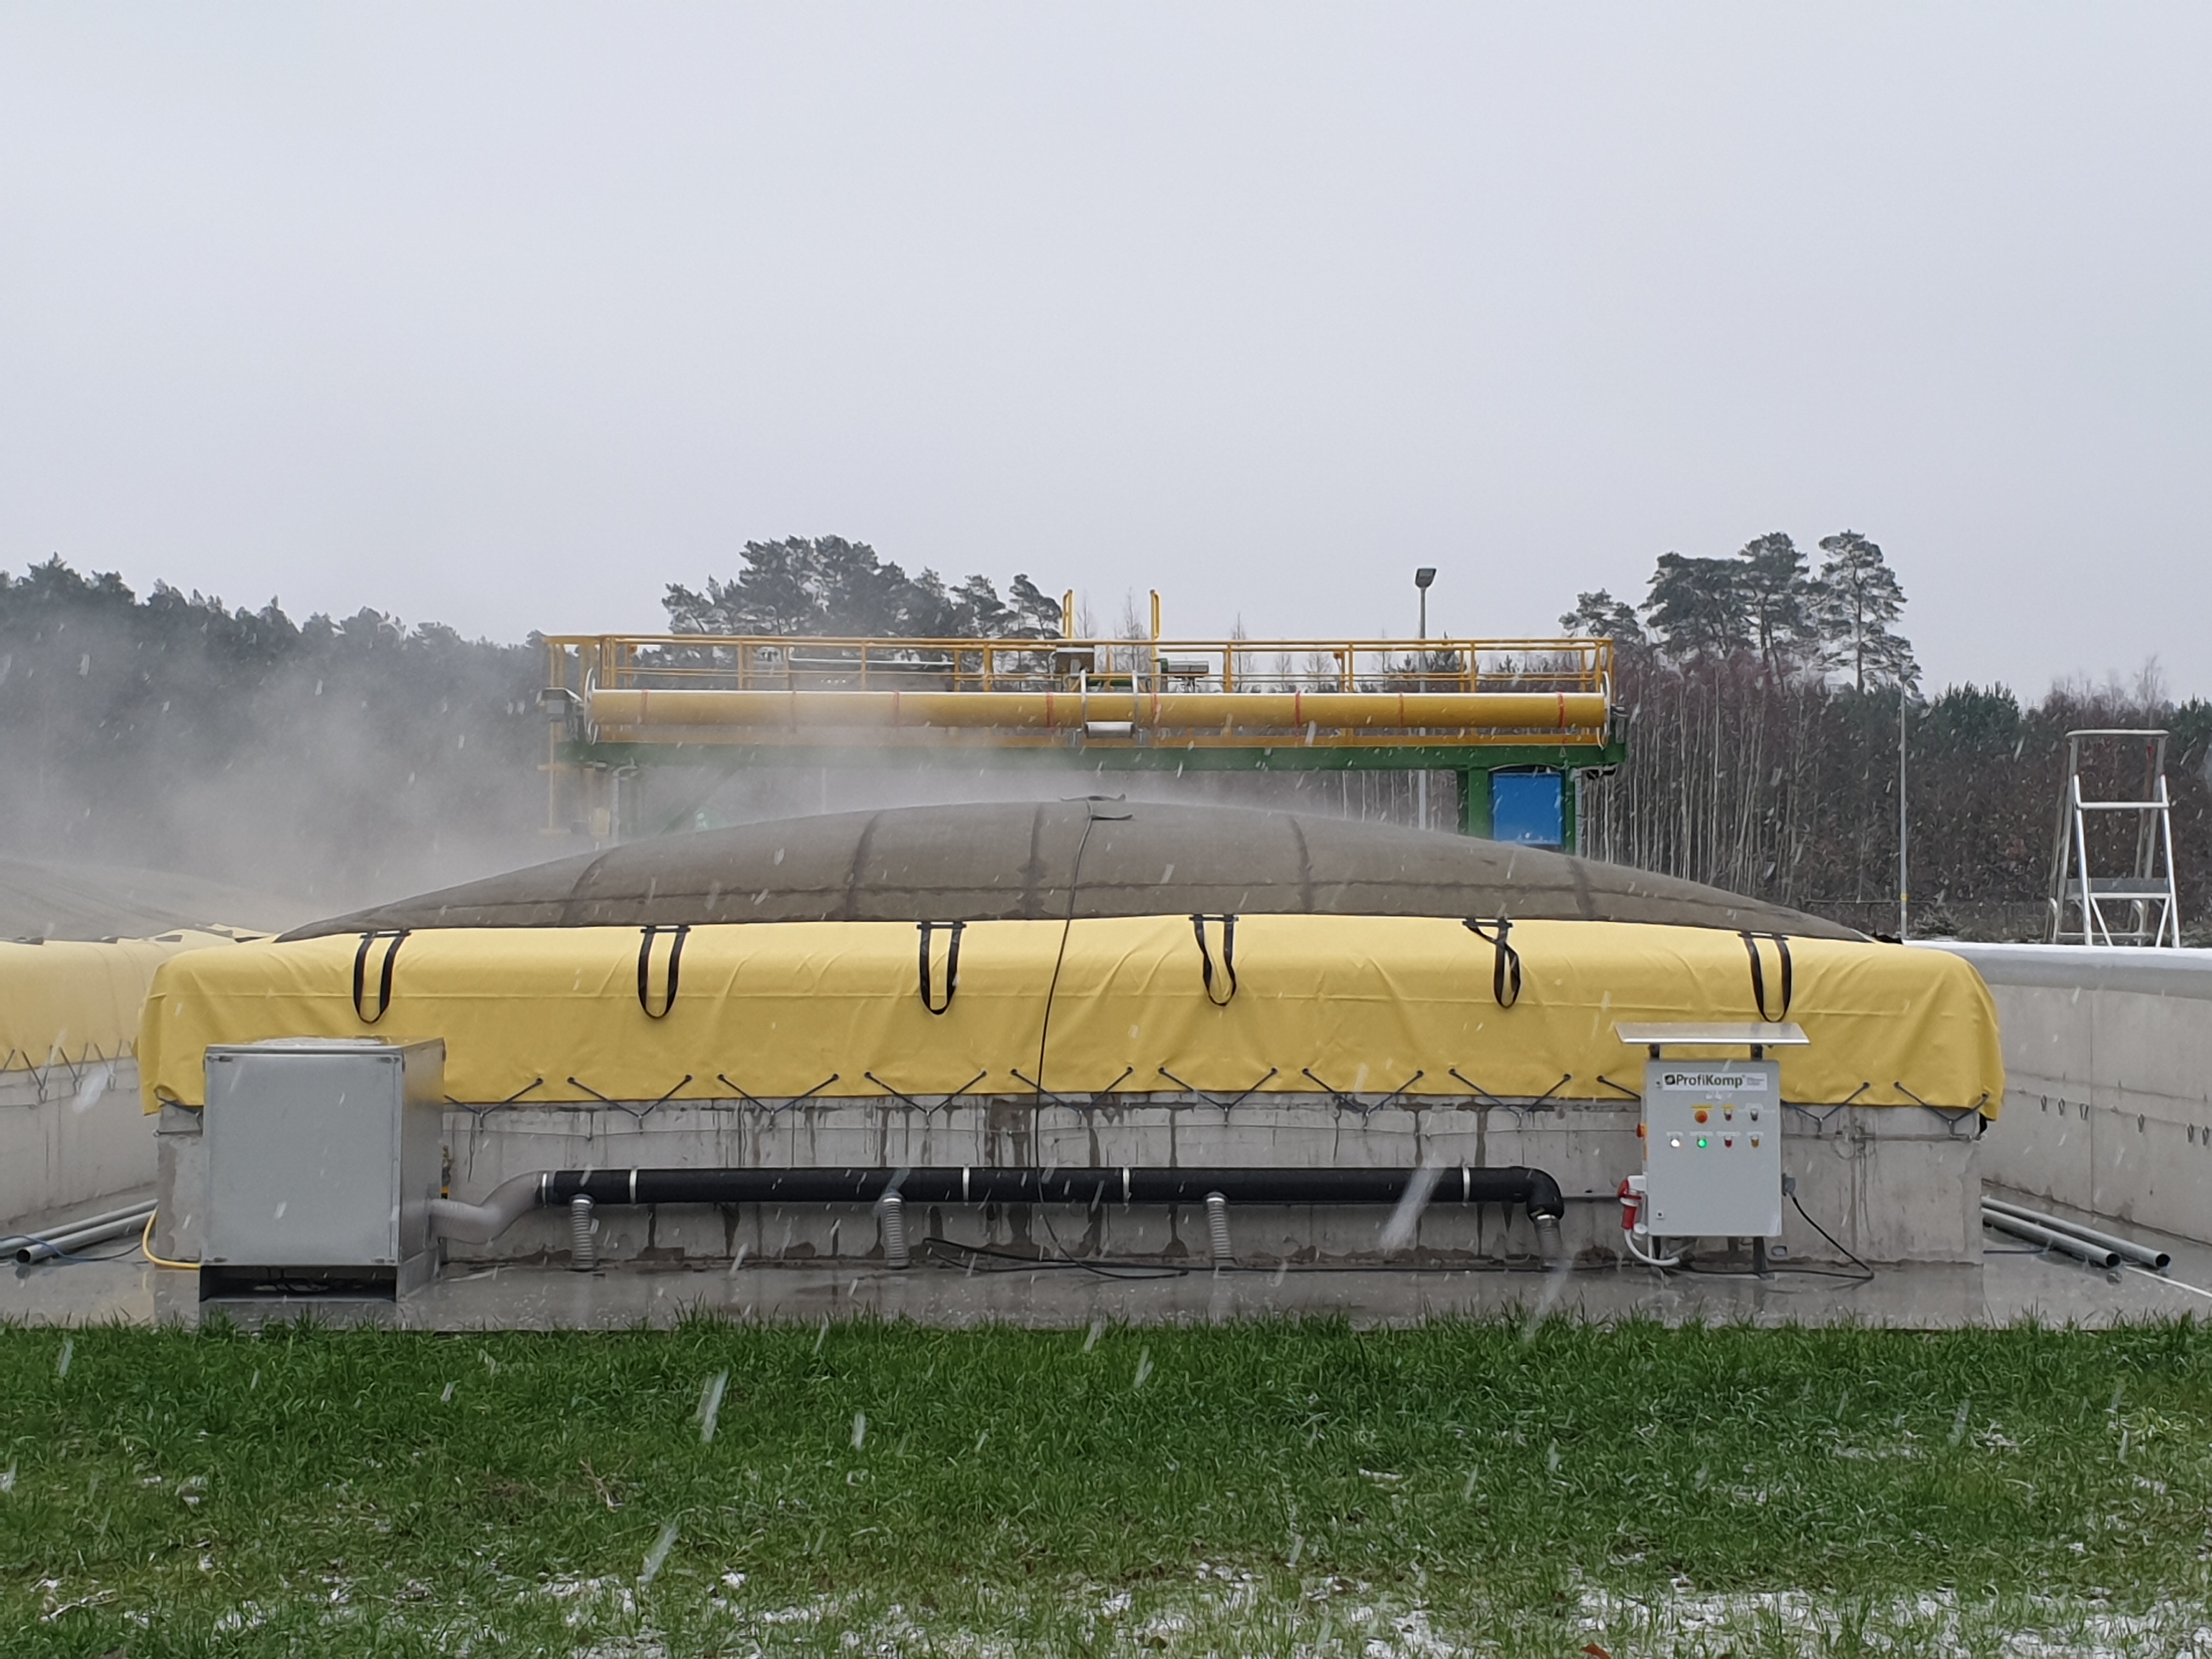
1424, 576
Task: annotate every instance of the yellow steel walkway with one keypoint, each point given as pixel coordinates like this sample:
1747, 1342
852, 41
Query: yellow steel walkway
623, 701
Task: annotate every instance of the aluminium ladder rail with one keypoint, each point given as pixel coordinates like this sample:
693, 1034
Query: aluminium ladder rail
2149, 899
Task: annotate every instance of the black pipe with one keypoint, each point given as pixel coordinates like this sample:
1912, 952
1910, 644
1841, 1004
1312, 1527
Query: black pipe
1533, 1188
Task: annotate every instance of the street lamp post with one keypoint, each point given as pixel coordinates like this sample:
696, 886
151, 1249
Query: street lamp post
1422, 577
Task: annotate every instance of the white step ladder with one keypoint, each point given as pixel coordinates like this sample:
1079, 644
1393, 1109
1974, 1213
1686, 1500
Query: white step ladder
2084, 905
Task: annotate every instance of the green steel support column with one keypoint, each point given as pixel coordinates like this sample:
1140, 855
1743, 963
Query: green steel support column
1475, 801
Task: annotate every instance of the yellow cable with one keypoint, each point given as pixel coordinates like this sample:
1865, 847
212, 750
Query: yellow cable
146, 1244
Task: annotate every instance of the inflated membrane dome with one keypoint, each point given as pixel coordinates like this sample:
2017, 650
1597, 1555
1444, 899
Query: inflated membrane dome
1048, 860
1100, 948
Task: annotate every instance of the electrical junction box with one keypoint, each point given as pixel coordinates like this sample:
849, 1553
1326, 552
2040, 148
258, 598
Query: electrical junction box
323, 1156
1712, 1148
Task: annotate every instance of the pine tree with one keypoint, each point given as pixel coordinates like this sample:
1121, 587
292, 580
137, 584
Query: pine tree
1856, 598
1777, 597
1700, 607
1599, 616
828, 585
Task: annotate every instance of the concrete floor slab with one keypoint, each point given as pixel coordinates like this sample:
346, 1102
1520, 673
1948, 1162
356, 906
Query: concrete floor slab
2007, 1287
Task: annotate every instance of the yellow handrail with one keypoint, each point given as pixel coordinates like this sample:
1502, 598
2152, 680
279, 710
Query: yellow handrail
584, 664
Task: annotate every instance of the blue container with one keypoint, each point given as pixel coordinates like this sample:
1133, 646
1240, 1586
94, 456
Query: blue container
1529, 807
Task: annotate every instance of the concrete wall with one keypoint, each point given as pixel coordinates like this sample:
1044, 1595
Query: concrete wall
1891, 1184
2108, 1087
69, 1137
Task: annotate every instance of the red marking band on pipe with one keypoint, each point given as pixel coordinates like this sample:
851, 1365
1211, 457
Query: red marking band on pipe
1049, 724
642, 693
1297, 708
1563, 711
895, 705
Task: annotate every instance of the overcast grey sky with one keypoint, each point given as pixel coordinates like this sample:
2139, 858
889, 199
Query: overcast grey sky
508, 315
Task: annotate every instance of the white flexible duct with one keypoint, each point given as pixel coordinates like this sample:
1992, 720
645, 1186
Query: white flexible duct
479, 1223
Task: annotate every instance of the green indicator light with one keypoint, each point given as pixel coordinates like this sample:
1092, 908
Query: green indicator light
1702, 1141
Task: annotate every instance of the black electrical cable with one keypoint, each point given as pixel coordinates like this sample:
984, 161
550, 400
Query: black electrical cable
67, 1258
1067, 927
1052, 990
1124, 1268
1776, 1271
1825, 1234
1103, 1268
1526, 1269
1865, 1274
25, 1269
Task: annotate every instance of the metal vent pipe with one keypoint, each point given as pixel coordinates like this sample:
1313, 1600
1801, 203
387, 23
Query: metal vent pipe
583, 1249
1217, 1227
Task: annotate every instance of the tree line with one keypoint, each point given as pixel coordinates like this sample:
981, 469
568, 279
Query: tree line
349, 758
1760, 698
331, 758
828, 585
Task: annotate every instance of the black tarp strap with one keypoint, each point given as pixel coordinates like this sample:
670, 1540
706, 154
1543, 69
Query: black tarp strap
951, 964
1206, 957
1504, 962
680, 932
383, 978
1759, 974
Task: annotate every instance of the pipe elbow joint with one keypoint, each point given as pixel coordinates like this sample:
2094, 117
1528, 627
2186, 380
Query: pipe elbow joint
1545, 1202
480, 1224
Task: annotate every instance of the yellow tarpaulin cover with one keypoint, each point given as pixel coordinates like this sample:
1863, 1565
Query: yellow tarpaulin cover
70, 1003
1356, 1004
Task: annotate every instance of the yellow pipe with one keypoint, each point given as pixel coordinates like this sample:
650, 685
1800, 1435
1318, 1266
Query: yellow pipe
1055, 711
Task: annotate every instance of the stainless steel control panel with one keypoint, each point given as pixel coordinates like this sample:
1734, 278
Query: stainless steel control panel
1712, 1148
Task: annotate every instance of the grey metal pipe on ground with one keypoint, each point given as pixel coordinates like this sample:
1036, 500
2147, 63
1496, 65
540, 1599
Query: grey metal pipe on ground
2096, 1255
2144, 1254
1532, 1188
46, 1246
10, 1242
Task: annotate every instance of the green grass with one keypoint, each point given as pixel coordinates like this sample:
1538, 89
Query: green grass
1260, 1487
